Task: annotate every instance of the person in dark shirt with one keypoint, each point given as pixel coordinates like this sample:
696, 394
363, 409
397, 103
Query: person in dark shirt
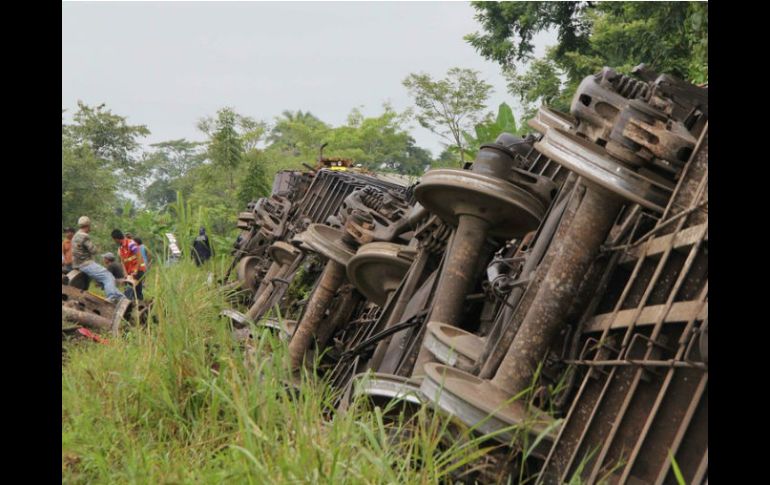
113, 266
201, 248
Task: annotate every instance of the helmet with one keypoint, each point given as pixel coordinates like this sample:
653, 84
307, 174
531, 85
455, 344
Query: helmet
84, 221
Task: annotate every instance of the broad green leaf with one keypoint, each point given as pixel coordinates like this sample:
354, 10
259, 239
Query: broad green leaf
505, 119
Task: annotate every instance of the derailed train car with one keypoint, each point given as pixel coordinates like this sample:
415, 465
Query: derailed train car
569, 267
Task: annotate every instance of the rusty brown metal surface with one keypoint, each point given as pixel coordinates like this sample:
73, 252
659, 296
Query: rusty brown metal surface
572, 257
76, 279
331, 279
84, 301
377, 269
570, 267
97, 313
647, 392
90, 320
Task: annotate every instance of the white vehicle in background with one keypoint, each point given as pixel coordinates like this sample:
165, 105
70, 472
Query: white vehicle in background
174, 254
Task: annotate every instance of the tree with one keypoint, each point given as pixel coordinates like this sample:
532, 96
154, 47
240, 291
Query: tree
510, 26
447, 158
417, 160
111, 140
231, 135
376, 142
297, 134
225, 146
159, 194
88, 187
540, 84
174, 158
225, 176
412, 161
450, 105
101, 155
669, 37
165, 167
252, 132
255, 184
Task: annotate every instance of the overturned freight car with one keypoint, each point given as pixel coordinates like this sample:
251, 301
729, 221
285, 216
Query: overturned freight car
570, 267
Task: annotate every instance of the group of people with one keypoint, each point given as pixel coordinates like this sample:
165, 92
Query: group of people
129, 268
79, 252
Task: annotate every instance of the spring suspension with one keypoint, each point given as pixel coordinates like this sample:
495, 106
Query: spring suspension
373, 198
434, 235
631, 88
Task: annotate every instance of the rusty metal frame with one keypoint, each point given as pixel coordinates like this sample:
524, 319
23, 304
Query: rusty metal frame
586, 414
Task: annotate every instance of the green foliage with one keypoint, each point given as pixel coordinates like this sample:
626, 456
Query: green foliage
297, 135
488, 131
696, 29
180, 217
510, 26
166, 167
374, 142
158, 194
188, 217
110, 139
179, 401
174, 158
88, 187
378, 142
540, 84
677, 471
414, 162
225, 147
669, 37
100, 154
107, 134
212, 178
451, 105
255, 184
447, 158
252, 132
181, 185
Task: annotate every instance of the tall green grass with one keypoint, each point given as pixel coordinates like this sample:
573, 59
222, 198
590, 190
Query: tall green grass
177, 401
181, 218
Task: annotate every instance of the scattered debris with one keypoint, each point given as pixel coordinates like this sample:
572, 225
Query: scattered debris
90, 335
174, 253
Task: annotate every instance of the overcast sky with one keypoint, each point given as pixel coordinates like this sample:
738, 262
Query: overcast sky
166, 65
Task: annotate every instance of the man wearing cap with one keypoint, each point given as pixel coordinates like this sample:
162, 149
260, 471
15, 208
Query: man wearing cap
133, 263
83, 253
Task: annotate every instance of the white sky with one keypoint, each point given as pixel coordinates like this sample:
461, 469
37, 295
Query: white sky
166, 65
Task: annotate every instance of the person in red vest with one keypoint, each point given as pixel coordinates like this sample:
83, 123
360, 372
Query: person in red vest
131, 256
